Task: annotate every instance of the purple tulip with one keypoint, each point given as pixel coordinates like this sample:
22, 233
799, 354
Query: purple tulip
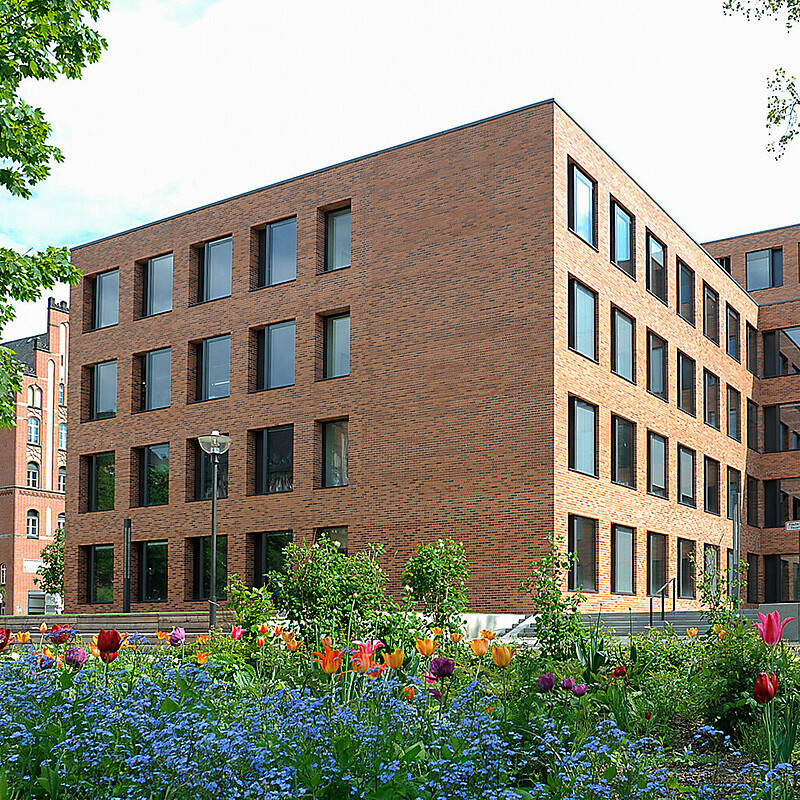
75, 657
442, 667
579, 690
546, 682
568, 683
177, 637
436, 693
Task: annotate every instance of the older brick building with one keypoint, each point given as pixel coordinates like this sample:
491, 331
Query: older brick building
33, 463
491, 333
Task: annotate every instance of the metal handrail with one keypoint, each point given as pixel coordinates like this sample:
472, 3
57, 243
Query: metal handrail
661, 592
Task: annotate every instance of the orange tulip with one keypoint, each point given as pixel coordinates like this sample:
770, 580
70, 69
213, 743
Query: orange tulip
692, 632
328, 640
293, 645
426, 647
202, 638
480, 647
260, 641
502, 655
488, 635
437, 631
201, 657
263, 629
278, 630
162, 634
330, 660
287, 636
23, 637
94, 650
394, 660
43, 628
410, 692
455, 638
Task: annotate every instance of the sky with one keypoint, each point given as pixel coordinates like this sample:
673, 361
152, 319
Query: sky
197, 100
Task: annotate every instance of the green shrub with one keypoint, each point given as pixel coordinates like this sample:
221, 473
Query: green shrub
252, 606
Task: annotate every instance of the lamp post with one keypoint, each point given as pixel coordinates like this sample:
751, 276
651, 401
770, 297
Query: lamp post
215, 445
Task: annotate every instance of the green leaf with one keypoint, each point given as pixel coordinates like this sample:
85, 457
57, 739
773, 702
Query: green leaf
169, 706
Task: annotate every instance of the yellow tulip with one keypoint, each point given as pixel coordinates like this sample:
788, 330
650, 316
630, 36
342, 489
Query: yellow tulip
502, 655
479, 646
692, 632
437, 631
23, 637
488, 635
426, 647
455, 638
394, 660
293, 645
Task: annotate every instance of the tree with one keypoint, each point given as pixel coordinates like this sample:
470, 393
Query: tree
39, 40
783, 101
50, 576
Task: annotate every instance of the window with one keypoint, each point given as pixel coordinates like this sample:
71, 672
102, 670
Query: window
656, 268
623, 345
583, 548
734, 490
32, 524
710, 313
752, 425
214, 368
732, 579
62, 479
101, 482
104, 390
202, 567
157, 289
33, 430
734, 414
711, 398
2, 574
34, 397
100, 573
215, 260
622, 240
774, 516
752, 578
622, 559
752, 502
686, 476
153, 572
582, 319
61, 394
275, 460
781, 352
657, 465
275, 346
337, 239
711, 475
685, 292
752, 349
156, 379
711, 564
623, 452
62, 436
277, 253
764, 269
657, 366
724, 262
33, 475
686, 582
105, 309
581, 204
781, 427
337, 346
582, 436
337, 536
732, 332
686, 384
656, 562
334, 453
270, 554
204, 474
154, 477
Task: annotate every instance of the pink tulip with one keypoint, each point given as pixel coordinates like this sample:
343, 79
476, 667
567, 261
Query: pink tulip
236, 632
369, 646
770, 627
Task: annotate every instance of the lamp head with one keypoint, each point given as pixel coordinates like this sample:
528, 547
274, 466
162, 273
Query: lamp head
215, 444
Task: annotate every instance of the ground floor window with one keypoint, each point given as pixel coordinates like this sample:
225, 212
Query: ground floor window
656, 562
338, 535
685, 568
202, 567
583, 548
100, 573
270, 550
153, 572
622, 559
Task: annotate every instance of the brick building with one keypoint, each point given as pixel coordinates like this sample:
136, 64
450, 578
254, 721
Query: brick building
492, 333
33, 463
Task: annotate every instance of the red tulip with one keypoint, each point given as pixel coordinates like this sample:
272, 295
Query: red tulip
766, 687
108, 643
6, 638
770, 627
620, 672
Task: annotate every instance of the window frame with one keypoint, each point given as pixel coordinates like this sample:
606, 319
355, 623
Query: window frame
32, 474
572, 443
652, 537
146, 456
34, 432
775, 268
650, 280
709, 509
92, 493
144, 578
686, 557
62, 435
691, 502
328, 356
683, 361
95, 388
345, 455
731, 391
265, 254
651, 336
616, 313
264, 353
651, 437
576, 570
32, 524
575, 287
711, 313
708, 418
203, 385
147, 380
263, 447
731, 312
572, 168
91, 573
330, 239
752, 349
681, 266
204, 274
615, 529
197, 543
616, 420
147, 285
631, 270
733, 473
98, 294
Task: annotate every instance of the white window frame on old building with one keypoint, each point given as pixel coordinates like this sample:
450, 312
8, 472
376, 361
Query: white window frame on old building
32, 524
32, 475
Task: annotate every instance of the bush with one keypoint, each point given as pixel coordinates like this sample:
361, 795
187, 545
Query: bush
252, 606
437, 575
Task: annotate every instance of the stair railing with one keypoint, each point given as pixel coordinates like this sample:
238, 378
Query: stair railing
663, 592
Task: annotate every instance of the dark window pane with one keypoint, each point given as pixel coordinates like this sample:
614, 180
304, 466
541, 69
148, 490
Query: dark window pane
734, 414
623, 452
337, 536
104, 390
215, 368
202, 567
204, 474
106, 299
153, 580
656, 268
734, 490
337, 346
752, 349
270, 554
154, 487
764, 269
583, 546
101, 573
582, 436
732, 330
711, 564
622, 240
781, 427
335, 453
657, 465
623, 345
711, 398
686, 582
657, 366
101, 482
686, 477
279, 354
686, 383
581, 204
752, 501
582, 320
711, 468
281, 255
216, 269
752, 578
686, 292
752, 425
656, 562
275, 460
157, 378
622, 561
337, 239
158, 285
710, 313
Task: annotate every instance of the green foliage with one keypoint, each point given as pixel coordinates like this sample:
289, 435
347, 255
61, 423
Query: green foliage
252, 605
437, 575
50, 576
558, 625
717, 605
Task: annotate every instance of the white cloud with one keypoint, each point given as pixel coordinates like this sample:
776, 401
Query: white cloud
196, 101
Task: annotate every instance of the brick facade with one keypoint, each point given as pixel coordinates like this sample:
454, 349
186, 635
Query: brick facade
460, 370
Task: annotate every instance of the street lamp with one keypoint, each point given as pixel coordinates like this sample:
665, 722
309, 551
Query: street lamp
215, 445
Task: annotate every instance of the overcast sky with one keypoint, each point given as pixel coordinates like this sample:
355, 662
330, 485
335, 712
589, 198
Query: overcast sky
196, 100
